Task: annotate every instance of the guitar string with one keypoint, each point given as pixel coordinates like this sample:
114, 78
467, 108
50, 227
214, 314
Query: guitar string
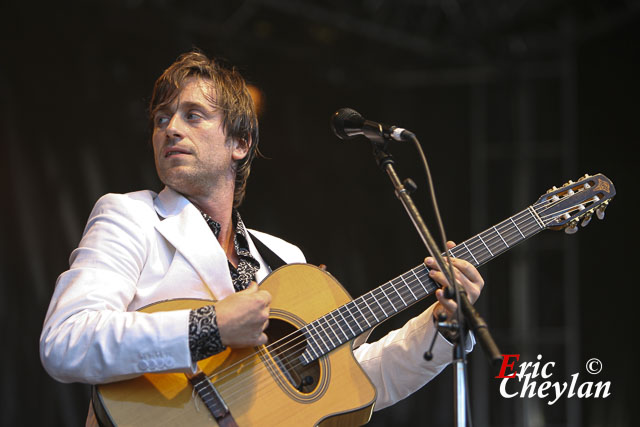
238, 384
301, 340
264, 353
545, 204
490, 236
335, 333
267, 379
485, 237
479, 238
538, 208
328, 322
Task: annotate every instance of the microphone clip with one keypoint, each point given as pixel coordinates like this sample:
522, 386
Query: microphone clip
347, 124
450, 330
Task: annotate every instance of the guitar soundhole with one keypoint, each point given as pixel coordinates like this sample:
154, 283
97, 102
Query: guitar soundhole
286, 345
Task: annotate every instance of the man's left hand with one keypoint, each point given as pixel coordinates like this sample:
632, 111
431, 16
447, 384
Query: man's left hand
465, 274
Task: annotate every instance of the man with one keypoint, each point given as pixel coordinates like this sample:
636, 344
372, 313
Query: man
189, 241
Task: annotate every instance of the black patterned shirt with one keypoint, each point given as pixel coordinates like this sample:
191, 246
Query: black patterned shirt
204, 336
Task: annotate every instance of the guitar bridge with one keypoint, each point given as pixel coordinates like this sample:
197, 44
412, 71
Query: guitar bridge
212, 399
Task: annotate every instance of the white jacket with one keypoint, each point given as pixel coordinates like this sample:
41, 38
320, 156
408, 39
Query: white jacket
140, 248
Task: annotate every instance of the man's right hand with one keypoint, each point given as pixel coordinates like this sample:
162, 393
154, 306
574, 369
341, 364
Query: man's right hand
243, 317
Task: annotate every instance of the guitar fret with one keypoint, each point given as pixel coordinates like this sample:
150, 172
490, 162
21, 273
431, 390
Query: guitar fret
363, 316
409, 287
535, 225
470, 253
401, 299
525, 225
387, 296
348, 318
369, 307
313, 346
495, 243
481, 252
419, 281
430, 283
406, 293
452, 254
510, 236
536, 217
345, 320
500, 235
315, 342
339, 327
379, 305
485, 245
517, 227
323, 335
354, 314
331, 331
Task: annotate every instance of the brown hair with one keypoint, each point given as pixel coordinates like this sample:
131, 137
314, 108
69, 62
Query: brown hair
232, 97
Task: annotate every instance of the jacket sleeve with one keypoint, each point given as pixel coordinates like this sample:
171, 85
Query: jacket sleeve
395, 363
88, 335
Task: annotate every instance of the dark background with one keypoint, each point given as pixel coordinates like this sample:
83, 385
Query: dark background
507, 97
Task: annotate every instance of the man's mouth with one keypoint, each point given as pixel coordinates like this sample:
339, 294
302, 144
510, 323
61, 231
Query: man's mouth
174, 152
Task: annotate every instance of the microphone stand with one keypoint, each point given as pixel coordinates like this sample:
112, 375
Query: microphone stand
466, 313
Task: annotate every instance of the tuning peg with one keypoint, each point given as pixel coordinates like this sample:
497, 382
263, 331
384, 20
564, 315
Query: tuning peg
552, 189
572, 229
586, 220
600, 212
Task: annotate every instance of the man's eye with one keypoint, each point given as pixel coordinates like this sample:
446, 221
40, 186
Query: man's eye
193, 116
160, 120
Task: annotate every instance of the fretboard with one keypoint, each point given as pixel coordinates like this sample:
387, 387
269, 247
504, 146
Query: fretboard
363, 313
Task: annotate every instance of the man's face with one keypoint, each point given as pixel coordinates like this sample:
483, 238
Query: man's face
192, 153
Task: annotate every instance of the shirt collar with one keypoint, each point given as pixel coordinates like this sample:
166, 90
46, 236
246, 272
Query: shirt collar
240, 237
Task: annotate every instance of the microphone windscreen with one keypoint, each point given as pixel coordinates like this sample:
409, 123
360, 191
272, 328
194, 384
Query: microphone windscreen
346, 123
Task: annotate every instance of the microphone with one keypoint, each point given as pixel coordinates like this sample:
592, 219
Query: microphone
347, 123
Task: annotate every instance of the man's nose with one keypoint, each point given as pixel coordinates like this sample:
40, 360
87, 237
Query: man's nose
174, 127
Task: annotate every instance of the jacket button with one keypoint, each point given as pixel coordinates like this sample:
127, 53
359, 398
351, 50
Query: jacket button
169, 362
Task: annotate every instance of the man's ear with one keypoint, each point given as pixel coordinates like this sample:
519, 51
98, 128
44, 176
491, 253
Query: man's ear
241, 148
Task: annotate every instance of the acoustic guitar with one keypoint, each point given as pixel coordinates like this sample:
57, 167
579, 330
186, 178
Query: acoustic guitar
307, 375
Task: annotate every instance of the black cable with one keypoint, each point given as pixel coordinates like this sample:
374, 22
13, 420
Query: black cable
448, 271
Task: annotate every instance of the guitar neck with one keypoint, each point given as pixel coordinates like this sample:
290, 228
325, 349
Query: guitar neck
363, 313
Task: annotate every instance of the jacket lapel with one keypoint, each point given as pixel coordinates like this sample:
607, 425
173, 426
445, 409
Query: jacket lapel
185, 228
264, 271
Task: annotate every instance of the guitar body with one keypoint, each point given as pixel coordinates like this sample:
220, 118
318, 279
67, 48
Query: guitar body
261, 387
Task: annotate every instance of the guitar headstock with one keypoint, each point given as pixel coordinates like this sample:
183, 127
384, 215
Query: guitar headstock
565, 207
